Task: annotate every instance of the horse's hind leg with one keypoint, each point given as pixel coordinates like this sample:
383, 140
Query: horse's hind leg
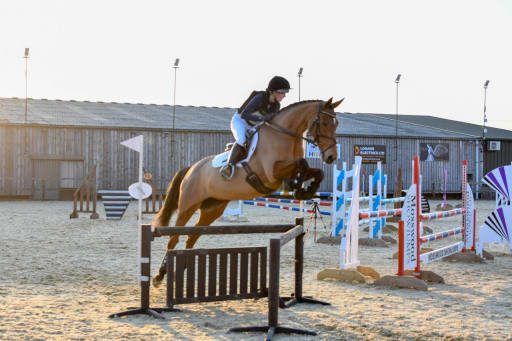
211, 209
181, 220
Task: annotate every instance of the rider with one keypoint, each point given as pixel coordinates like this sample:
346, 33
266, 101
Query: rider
260, 106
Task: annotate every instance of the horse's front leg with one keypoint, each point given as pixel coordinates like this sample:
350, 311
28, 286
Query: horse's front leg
317, 175
299, 171
294, 170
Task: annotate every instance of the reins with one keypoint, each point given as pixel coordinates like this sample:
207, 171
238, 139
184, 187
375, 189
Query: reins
315, 123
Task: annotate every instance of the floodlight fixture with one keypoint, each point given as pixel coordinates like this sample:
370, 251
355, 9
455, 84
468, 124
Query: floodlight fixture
300, 76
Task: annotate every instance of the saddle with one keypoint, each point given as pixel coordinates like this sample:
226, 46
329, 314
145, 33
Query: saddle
295, 183
248, 138
250, 146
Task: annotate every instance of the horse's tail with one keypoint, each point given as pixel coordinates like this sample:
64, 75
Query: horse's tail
171, 200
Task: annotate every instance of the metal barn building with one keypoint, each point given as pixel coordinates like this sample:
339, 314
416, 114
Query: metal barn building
52, 149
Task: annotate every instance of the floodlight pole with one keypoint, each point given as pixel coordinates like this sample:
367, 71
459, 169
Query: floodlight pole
175, 67
304, 146
397, 81
26, 56
300, 76
484, 130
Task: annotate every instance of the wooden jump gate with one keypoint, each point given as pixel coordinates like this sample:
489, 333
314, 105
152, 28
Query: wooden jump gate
86, 193
203, 283
211, 275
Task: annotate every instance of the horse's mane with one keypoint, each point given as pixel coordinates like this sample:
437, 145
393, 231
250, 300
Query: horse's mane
297, 103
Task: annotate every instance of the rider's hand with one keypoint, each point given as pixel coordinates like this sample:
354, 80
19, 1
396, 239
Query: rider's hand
267, 118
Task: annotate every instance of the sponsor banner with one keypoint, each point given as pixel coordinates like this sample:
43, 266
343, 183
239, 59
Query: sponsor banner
441, 253
434, 151
371, 153
410, 229
312, 151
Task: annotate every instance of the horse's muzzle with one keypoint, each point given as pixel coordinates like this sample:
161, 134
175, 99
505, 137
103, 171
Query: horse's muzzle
329, 159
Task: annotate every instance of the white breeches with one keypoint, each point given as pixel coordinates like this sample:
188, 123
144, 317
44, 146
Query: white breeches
238, 127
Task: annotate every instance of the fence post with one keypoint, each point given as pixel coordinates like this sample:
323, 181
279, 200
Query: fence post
94, 214
401, 244
273, 285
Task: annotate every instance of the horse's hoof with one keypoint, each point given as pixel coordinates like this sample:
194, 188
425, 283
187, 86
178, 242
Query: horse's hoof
156, 282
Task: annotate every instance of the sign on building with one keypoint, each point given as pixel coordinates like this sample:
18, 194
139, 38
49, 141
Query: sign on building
434, 152
312, 151
371, 153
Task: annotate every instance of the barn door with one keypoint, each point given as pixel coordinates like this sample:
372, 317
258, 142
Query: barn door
46, 179
71, 175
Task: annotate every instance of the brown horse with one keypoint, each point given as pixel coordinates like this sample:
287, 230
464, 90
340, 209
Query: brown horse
278, 156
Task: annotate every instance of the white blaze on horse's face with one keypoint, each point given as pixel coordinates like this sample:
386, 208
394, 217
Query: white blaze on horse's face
324, 131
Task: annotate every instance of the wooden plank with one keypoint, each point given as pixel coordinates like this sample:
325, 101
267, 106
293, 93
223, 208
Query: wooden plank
254, 273
291, 234
191, 272
217, 251
180, 268
201, 275
223, 273
299, 264
226, 229
218, 298
273, 286
263, 271
233, 272
212, 275
170, 279
244, 272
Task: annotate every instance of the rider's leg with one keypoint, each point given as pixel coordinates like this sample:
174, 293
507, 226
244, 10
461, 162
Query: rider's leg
238, 128
236, 155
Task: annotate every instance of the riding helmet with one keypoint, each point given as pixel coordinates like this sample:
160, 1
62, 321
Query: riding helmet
278, 83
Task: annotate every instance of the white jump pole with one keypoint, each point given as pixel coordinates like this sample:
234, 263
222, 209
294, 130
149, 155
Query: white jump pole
139, 191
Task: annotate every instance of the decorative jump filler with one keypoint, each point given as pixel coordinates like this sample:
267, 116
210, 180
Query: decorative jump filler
349, 269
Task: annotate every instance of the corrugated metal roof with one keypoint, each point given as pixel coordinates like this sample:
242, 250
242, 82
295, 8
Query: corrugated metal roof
375, 125
116, 115
452, 125
151, 116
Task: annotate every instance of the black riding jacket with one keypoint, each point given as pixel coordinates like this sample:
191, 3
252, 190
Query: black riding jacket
258, 102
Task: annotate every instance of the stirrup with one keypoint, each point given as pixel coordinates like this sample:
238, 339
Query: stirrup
224, 169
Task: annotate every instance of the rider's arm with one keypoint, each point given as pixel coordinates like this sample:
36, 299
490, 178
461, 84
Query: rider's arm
250, 112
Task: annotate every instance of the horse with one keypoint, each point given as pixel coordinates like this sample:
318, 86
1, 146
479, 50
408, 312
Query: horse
278, 156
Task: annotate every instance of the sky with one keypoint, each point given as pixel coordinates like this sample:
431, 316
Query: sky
123, 51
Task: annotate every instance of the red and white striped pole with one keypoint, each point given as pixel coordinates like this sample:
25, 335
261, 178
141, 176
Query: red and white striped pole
418, 210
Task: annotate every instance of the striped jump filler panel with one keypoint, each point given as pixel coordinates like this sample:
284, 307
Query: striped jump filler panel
410, 226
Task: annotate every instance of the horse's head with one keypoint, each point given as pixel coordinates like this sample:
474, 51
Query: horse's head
323, 130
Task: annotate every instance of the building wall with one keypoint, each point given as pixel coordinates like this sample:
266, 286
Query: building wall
75, 150
408, 148
62, 156
495, 159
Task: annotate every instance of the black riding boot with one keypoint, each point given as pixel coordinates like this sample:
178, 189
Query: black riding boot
236, 155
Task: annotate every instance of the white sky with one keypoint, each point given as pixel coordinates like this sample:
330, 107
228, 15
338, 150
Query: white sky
123, 51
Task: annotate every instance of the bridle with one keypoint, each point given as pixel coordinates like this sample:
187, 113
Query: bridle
316, 125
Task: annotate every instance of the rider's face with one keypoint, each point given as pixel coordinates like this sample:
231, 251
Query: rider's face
278, 96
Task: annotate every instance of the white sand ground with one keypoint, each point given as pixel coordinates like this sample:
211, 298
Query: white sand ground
61, 278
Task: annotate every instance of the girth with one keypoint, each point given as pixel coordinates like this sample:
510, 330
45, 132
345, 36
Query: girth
254, 180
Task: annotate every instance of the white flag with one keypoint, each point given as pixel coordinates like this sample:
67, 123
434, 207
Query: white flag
134, 143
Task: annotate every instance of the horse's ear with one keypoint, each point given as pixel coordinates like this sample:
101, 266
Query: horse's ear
328, 104
335, 104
